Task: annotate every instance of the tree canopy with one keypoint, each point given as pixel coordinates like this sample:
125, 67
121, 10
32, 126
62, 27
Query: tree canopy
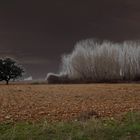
10, 70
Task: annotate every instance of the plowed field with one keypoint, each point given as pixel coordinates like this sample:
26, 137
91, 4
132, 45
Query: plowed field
66, 102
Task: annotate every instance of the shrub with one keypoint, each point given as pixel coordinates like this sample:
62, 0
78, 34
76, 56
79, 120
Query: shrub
56, 78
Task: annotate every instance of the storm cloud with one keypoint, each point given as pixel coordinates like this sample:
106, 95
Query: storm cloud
37, 33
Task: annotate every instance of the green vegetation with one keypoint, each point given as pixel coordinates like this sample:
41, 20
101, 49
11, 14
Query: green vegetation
95, 129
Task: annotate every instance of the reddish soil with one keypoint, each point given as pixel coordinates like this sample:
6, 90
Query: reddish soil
66, 102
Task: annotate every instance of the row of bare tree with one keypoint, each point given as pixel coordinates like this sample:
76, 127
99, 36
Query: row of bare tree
97, 61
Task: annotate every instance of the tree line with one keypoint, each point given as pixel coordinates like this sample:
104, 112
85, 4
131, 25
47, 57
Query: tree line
96, 61
90, 61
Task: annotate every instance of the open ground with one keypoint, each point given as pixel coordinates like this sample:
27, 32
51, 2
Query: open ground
66, 102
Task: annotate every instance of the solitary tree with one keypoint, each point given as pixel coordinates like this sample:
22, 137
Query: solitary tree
9, 70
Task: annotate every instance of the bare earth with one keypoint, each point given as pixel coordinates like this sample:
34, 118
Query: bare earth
66, 102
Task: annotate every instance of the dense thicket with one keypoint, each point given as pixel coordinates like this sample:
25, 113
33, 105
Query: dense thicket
96, 61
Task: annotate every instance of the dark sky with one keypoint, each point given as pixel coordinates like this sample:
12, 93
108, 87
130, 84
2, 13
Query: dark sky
37, 33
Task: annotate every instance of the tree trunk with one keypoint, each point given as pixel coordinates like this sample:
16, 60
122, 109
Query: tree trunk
7, 82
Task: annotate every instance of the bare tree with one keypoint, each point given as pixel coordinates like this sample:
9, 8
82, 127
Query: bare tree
102, 61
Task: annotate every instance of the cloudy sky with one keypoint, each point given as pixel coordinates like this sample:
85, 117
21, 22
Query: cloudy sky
37, 33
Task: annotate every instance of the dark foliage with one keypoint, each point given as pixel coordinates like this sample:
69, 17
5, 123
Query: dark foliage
9, 70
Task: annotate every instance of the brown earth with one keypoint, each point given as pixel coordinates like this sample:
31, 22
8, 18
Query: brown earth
66, 102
